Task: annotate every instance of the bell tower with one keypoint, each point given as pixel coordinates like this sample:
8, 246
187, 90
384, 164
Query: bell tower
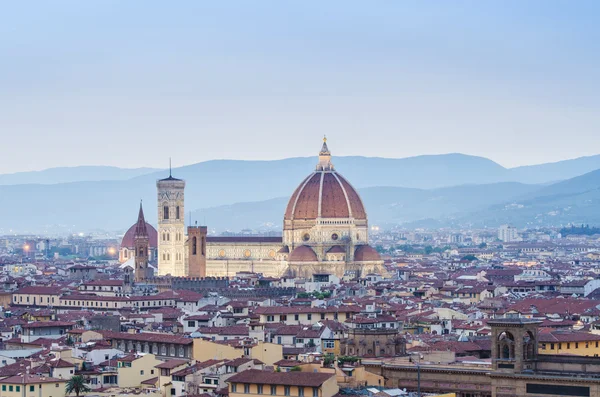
141, 242
197, 251
171, 227
514, 344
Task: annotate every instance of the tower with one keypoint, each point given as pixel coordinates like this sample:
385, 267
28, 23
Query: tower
171, 227
197, 251
141, 244
514, 344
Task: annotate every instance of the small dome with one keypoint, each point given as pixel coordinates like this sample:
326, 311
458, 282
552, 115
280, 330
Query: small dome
284, 250
303, 253
336, 249
366, 253
128, 238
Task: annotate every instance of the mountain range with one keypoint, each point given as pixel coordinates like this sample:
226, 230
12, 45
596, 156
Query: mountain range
451, 189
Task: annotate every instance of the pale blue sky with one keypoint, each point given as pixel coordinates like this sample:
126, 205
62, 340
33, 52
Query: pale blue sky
132, 83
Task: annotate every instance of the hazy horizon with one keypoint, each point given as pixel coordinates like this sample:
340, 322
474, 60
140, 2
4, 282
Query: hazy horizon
174, 166
130, 84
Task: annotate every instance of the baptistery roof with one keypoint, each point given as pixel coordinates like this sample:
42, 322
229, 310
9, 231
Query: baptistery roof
325, 194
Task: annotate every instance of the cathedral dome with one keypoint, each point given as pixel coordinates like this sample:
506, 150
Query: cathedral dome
303, 253
325, 194
128, 238
366, 253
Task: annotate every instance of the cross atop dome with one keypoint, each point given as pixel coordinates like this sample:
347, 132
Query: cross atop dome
325, 158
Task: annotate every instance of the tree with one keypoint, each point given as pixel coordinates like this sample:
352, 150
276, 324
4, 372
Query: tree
77, 385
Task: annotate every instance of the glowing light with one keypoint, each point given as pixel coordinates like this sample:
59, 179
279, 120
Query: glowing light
111, 251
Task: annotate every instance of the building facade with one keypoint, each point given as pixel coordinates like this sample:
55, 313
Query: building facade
171, 227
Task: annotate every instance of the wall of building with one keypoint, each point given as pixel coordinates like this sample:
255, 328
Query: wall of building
141, 369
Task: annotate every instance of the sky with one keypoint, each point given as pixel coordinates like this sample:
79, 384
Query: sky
130, 84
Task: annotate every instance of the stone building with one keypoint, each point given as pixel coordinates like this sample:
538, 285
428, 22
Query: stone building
516, 369
325, 231
171, 227
373, 342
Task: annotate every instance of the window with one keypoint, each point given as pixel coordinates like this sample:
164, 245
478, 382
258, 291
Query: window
17, 388
151, 372
191, 323
233, 387
296, 317
270, 318
194, 244
177, 212
551, 346
322, 316
576, 345
31, 388
246, 388
165, 212
282, 317
315, 392
286, 390
10, 388
259, 389
309, 316
300, 391
568, 345
273, 390
3, 387
329, 344
173, 391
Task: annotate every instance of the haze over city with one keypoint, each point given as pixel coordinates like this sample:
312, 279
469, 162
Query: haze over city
299, 199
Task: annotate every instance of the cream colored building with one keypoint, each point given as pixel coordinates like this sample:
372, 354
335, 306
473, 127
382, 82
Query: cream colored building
135, 369
171, 227
205, 350
27, 385
294, 384
325, 230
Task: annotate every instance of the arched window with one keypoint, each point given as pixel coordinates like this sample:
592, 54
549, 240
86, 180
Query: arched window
177, 212
165, 212
141, 251
194, 242
203, 246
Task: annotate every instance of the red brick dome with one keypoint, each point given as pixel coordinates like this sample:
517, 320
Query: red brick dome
366, 253
128, 242
325, 194
303, 253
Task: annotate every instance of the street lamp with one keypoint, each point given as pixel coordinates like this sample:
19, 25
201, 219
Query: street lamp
420, 357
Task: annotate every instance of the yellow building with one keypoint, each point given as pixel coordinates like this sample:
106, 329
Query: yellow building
289, 384
135, 369
205, 350
570, 343
32, 385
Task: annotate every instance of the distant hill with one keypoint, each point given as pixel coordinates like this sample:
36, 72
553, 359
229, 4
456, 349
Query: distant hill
384, 205
576, 200
442, 188
553, 172
73, 174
